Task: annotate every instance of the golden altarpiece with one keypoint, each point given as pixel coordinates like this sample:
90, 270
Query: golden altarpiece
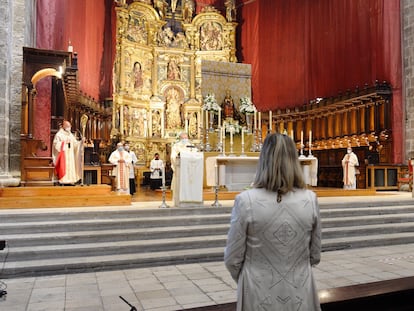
157, 86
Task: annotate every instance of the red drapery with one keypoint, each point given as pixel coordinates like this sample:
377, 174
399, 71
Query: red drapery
86, 25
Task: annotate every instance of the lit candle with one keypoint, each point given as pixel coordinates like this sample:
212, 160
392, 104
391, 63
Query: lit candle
301, 139
206, 112
310, 139
260, 121
270, 121
219, 117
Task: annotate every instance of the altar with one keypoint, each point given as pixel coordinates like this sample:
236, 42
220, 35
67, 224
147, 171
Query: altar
237, 173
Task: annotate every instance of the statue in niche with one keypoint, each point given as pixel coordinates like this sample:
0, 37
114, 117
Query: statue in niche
230, 10
139, 123
192, 125
188, 10
166, 37
228, 105
161, 6
173, 109
137, 31
156, 123
180, 41
138, 81
173, 70
126, 117
211, 37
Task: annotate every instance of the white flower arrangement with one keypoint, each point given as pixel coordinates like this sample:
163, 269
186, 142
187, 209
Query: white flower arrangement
246, 105
234, 127
210, 103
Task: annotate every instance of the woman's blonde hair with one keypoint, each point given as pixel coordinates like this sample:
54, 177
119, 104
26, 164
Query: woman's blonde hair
279, 168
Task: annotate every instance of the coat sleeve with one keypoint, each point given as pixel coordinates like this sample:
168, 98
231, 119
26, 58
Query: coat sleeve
234, 253
315, 242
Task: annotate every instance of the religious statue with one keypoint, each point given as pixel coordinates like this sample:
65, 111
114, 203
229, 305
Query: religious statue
173, 109
137, 31
228, 105
166, 37
230, 10
192, 125
156, 124
173, 70
161, 6
188, 10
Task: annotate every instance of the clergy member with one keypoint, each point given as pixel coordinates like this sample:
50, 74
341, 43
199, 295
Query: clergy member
182, 145
349, 164
122, 160
134, 161
156, 167
66, 155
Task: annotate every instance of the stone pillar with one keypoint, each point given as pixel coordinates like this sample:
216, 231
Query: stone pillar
16, 31
408, 73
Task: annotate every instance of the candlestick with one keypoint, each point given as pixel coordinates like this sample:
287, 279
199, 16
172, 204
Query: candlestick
270, 121
216, 174
242, 135
206, 126
163, 175
255, 121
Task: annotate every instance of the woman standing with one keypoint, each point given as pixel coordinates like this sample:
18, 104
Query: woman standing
275, 234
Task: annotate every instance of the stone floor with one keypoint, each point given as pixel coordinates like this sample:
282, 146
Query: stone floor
193, 285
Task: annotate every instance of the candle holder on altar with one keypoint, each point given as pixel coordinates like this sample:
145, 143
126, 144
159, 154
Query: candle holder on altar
249, 121
243, 131
208, 146
302, 156
253, 147
211, 121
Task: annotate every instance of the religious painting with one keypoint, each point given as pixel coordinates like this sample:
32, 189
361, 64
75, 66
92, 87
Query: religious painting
137, 29
173, 70
156, 123
137, 71
211, 38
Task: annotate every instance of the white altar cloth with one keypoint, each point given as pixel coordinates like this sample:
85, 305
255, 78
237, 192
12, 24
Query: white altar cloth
237, 173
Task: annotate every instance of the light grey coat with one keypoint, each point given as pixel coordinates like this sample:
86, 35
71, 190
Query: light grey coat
270, 250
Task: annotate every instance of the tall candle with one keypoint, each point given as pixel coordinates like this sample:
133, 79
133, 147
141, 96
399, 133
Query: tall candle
221, 136
242, 135
163, 175
270, 121
219, 117
206, 126
260, 121
186, 125
301, 139
231, 137
310, 139
291, 135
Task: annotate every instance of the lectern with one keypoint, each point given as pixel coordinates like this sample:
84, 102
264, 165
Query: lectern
189, 180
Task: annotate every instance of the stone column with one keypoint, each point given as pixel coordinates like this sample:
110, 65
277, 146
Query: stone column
408, 73
16, 20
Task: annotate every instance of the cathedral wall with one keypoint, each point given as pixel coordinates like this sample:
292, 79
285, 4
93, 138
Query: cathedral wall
12, 37
408, 73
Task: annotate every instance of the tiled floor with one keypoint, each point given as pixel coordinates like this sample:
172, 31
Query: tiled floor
192, 285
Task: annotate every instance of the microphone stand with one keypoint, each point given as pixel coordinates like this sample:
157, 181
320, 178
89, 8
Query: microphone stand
132, 307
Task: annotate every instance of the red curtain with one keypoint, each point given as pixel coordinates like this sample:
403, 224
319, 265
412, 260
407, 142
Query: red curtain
84, 23
307, 49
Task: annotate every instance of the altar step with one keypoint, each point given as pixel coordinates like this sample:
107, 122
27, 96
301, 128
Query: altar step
61, 196
72, 240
